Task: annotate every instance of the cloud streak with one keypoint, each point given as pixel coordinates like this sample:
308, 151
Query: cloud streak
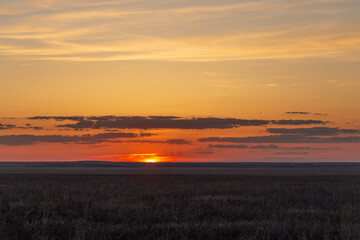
291, 153
165, 122
169, 141
228, 146
263, 147
315, 131
19, 140
158, 123
6, 126
12, 126
305, 113
282, 139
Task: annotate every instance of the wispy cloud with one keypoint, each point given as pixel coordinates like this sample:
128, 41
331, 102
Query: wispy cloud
305, 113
120, 30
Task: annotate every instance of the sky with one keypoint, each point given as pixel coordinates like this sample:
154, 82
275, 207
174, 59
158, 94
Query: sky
254, 81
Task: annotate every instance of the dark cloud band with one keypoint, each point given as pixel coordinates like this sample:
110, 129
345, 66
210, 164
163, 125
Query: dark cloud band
6, 126
315, 131
282, 139
169, 122
169, 141
18, 140
264, 147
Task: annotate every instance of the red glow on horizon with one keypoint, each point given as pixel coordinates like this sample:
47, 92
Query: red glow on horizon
151, 161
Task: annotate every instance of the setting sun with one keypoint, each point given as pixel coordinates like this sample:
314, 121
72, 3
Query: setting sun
151, 161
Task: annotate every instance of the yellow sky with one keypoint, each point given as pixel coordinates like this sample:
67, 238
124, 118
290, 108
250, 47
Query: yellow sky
229, 59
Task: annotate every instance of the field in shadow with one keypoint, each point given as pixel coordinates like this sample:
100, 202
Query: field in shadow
179, 207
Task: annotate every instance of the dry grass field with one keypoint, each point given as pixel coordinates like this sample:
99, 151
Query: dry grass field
96, 207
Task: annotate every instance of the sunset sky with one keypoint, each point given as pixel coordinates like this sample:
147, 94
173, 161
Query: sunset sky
275, 80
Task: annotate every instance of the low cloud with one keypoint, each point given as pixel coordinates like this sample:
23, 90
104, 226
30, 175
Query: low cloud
6, 126
282, 139
57, 118
169, 122
297, 122
271, 146
162, 122
265, 147
228, 146
286, 159
302, 113
29, 126
291, 153
203, 152
18, 140
12, 126
306, 113
169, 141
315, 131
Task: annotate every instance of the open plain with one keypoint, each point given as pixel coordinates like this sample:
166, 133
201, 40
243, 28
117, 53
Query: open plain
84, 205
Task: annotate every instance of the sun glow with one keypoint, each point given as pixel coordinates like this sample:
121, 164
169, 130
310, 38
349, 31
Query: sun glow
151, 160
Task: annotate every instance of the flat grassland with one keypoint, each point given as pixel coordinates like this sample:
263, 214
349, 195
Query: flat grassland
96, 207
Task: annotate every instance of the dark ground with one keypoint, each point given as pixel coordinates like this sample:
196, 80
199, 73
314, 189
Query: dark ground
178, 168
98, 206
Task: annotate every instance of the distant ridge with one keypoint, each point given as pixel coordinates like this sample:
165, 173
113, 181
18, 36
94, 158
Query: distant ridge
107, 164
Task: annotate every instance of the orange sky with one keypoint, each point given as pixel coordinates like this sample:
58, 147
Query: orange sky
203, 61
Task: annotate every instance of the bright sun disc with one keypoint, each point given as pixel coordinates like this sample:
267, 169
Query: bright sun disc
150, 161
